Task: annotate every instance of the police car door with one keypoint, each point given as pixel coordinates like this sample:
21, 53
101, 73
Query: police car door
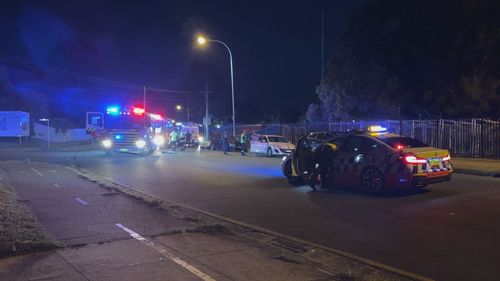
304, 157
350, 159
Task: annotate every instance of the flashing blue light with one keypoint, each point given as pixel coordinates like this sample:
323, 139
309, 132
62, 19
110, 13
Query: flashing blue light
118, 137
113, 110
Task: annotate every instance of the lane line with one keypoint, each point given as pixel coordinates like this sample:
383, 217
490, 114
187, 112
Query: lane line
36, 171
81, 201
56, 185
200, 274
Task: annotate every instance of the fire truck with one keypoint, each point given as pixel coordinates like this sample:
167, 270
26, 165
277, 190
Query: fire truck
130, 129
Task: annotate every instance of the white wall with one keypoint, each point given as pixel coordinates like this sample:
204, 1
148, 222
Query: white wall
66, 136
14, 124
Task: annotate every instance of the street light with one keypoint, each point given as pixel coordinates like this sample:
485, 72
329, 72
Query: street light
178, 107
48, 129
202, 41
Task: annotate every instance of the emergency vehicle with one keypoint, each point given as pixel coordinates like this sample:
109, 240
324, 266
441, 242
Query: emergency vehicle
373, 160
129, 129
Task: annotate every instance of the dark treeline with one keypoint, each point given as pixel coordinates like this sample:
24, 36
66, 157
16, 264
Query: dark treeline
416, 58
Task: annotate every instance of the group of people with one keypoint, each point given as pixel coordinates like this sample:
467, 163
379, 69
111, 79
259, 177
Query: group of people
179, 136
242, 140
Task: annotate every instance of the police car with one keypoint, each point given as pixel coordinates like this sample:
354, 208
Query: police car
373, 160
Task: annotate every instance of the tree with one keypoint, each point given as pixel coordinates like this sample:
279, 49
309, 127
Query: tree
314, 113
407, 55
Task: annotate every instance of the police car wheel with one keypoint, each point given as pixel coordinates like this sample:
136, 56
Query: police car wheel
372, 181
269, 152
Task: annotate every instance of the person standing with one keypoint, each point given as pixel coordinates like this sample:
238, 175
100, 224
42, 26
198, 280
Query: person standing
173, 140
243, 142
225, 143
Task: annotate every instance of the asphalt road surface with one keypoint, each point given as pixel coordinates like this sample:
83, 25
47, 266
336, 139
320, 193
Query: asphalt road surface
450, 231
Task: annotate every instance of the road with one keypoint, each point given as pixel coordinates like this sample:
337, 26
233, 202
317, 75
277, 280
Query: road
448, 232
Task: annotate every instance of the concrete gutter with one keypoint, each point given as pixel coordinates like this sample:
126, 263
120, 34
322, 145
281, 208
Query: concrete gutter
477, 166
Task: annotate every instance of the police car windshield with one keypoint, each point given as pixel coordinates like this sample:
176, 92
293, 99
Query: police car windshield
403, 142
277, 139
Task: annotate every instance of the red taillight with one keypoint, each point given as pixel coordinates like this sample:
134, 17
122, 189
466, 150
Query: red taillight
138, 111
447, 158
412, 159
399, 146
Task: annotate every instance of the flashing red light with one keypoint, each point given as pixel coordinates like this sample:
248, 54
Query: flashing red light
399, 146
156, 116
138, 111
412, 159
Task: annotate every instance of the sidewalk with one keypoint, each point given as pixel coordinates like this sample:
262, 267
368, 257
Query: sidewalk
477, 166
107, 235
34, 144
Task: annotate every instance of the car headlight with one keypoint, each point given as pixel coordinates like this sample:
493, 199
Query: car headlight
159, 140
140, 143
200, 138
107, 143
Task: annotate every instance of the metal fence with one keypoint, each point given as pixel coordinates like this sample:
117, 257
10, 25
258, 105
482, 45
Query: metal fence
464, 137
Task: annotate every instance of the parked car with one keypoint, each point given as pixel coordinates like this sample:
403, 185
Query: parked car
271, 145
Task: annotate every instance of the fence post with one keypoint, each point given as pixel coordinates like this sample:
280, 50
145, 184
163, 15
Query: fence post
481, 139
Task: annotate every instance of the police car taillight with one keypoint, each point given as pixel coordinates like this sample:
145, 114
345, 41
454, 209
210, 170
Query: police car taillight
412, 159
399, 146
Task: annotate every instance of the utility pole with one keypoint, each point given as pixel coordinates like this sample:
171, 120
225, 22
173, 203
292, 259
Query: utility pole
144, 104
206, 123
322, 43
144, 99
187, 108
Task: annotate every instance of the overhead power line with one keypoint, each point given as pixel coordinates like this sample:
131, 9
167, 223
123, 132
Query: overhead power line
101, 93
16, 60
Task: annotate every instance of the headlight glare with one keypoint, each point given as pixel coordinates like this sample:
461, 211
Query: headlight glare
159, 140
140, 143
107, 143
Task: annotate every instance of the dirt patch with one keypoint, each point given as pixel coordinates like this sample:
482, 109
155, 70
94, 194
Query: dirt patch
20, 233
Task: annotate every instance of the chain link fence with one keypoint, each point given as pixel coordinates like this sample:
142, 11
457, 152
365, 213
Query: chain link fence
463, 137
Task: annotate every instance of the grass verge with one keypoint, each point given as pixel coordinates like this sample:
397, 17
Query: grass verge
20, 233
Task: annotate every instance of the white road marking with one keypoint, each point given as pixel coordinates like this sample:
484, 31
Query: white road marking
81, 201
56, 185
36, 171
167, 254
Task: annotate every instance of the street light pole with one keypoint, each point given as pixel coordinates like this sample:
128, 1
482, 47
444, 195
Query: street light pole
202, 41
232, 82
48, 133
48, 129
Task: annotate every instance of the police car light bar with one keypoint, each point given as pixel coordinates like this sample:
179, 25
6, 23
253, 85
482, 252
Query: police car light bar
113, 110
377, 129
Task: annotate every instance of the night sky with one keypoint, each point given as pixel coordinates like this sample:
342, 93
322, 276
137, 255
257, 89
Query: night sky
276, 46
